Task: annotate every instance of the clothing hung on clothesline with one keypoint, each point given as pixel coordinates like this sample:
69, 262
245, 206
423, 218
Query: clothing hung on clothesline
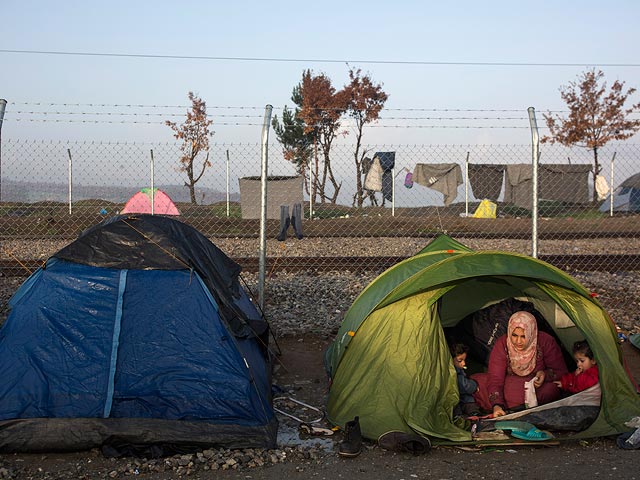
443, 177
559, 182
486, 180
373, 178
602, 187
387, 162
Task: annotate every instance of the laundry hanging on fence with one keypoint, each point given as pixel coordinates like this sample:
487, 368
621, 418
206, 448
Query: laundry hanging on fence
387, 163
486, 180
373, 178
565, 183
443, 177
518, 186
559, 182
602, 187
408, 180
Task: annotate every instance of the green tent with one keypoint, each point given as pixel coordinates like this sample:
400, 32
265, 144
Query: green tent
390, 364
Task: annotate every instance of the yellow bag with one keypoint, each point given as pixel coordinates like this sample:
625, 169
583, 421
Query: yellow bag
486, 209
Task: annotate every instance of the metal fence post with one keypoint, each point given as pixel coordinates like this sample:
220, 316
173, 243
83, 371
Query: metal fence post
393, 192
535, 158
611, 185
227, 182
3, 105
262, 262
153, 195
466, 186
70, 179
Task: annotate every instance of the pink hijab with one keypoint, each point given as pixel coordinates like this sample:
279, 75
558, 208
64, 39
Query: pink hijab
523, 362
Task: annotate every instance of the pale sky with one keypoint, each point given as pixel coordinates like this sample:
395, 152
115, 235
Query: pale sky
576, 34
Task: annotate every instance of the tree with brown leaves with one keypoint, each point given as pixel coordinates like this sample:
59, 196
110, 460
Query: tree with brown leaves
595, 116
321, 110
194, 134
365, 101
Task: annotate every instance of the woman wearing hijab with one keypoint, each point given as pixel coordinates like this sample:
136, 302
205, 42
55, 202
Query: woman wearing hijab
522, 354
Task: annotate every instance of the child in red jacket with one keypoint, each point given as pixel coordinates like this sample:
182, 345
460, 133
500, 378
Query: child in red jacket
586, 375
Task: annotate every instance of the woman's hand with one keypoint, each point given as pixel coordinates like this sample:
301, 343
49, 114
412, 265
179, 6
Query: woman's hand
538, 380
498, 411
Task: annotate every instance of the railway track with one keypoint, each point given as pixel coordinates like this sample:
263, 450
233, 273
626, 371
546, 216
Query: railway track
593, 263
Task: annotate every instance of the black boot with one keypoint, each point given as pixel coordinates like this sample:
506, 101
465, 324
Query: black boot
296, 220
351, 446
284, 223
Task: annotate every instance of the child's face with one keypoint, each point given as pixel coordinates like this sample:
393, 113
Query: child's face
460, 361
583, 362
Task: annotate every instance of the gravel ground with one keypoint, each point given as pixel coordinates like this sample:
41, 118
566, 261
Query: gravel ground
307, 302
305, 310
367, 246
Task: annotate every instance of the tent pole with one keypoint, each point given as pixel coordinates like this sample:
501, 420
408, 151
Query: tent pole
263, 213
535, 159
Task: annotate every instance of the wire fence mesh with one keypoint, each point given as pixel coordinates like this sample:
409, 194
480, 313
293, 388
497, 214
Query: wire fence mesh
406, 194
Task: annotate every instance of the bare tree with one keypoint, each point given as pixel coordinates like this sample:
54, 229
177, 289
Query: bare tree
194, 134
365, 101
595, 116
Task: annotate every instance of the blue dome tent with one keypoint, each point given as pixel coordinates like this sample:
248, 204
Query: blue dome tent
138, 333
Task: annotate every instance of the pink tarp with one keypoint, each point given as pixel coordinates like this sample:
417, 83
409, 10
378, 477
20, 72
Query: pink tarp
141, 203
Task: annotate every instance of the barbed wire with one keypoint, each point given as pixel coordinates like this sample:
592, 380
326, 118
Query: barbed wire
261, 108
129, 105
344, 123
225, 115
117, 114
44, 120
124, 114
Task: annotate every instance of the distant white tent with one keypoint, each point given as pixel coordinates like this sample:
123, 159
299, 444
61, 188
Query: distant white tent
626, 198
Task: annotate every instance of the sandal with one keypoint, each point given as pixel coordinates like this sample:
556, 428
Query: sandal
534, 434
316, 431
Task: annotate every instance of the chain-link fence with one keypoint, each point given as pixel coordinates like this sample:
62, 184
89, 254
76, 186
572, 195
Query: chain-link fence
479, 194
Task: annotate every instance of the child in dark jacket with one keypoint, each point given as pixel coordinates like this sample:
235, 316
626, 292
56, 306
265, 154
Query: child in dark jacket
586, 375
466, 386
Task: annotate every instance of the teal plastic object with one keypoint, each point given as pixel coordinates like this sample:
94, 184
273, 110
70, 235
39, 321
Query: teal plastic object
514, 425
534, 435
524, 430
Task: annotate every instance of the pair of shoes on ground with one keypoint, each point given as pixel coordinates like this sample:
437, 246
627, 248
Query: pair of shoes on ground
404, 442
398, 441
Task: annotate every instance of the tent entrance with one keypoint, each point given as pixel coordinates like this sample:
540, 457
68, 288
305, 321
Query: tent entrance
475, 294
